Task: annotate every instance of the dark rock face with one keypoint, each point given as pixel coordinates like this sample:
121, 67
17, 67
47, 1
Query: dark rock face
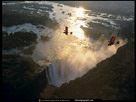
47, 92
111, 79
22, 79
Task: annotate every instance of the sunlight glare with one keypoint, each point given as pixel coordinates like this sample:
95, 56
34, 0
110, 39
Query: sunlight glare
80, 12
79, 32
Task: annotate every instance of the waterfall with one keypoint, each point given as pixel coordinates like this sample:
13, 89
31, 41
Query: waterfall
60, 72
52, 75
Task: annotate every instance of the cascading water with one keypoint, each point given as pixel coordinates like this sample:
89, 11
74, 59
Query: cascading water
71, 56
76, 62
52, 74
58, 74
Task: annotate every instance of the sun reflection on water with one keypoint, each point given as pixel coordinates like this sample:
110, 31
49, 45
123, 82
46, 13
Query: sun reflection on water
77, 31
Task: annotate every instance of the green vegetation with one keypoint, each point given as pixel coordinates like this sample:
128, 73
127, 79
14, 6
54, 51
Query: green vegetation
29, 50
10, 19
18, 39
21, 78
16, 14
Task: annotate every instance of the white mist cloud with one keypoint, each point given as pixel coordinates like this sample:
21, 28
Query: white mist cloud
71, 57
